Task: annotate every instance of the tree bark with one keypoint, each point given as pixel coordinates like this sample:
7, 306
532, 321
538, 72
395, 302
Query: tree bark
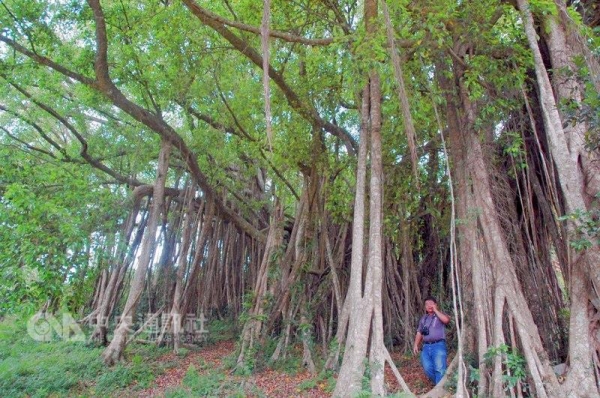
114, 351
351, 372
125, 255
175, 315
565, 147
252, 328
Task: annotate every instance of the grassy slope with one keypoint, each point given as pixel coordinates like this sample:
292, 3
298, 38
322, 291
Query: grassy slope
59, 368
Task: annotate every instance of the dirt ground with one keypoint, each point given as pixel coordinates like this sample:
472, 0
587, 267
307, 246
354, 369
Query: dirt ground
275, 383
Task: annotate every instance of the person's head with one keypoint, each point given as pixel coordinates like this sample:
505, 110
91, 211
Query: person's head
430, 303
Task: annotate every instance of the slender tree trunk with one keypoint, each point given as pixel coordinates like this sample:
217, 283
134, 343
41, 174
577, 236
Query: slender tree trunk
406, 281
192, 280
342, 307
366, 318
407, 120
175, 316
114, 351
252, 327
125, 255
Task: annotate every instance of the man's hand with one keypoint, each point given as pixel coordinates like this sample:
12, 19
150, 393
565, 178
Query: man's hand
416, 349
443, 317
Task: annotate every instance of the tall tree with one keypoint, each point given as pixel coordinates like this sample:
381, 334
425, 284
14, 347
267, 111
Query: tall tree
365, 300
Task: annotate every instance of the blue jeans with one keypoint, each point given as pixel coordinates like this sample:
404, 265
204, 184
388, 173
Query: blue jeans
433, 359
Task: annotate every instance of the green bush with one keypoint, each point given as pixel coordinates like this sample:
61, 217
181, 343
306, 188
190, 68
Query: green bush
220, 330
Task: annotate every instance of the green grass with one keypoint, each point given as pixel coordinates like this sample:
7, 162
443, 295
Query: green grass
39, 369
60, 368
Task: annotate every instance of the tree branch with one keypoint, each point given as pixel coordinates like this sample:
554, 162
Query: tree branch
46, 61
38, 129
231, 130
308, 112
28, 146
253, 29
84, 146
107, 87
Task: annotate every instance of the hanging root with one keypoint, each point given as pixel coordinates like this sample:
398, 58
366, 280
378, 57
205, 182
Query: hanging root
438, 391
390, 361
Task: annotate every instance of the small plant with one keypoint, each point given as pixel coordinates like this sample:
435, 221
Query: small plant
183, 352
230, 361
290, 364
474, 377
587, 228
514, 364
124, 375
307, 384
323, 381
220, 330
366, 379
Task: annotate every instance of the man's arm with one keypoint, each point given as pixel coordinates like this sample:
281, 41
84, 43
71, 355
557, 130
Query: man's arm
441, 316
418, 339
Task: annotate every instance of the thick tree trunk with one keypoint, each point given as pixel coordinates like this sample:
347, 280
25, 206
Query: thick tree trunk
566, 149
366, 319
351, 372
491, 267
507, 284
374, 280
114, 351
568, 88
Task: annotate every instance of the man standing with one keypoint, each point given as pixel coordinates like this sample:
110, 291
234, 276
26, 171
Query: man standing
431, 332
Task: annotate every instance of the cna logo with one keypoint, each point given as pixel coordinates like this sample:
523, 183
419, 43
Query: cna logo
43, 327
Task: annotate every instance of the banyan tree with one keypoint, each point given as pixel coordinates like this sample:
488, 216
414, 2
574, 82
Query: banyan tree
311, 170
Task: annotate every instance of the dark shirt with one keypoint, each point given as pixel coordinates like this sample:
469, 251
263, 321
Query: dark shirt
437, 330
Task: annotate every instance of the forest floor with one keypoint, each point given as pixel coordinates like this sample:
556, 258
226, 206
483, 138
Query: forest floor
213, 378
59, 368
